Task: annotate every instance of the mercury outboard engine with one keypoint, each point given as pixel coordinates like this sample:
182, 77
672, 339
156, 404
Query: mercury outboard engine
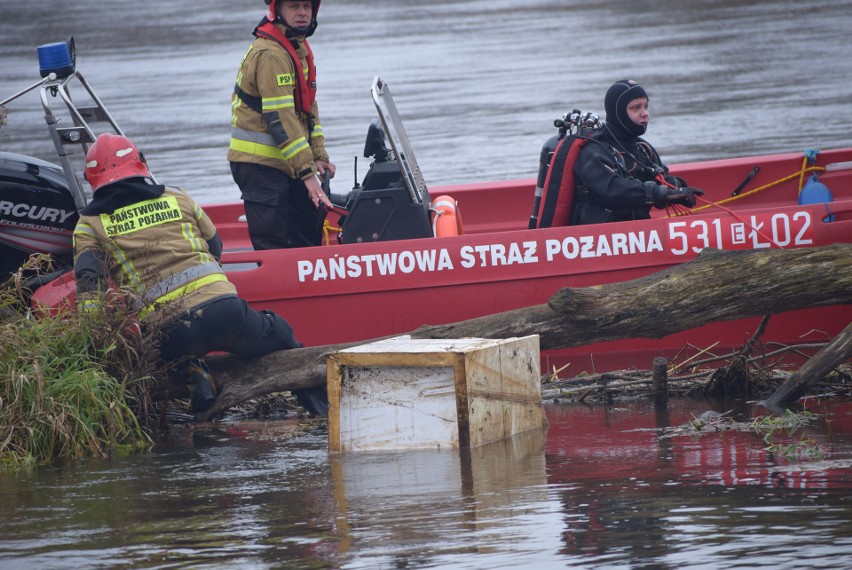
37, 212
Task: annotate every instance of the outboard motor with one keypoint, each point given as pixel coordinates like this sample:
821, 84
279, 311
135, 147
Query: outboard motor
37, 212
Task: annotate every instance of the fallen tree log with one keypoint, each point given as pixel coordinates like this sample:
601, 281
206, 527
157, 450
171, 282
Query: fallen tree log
716, 286
815, 369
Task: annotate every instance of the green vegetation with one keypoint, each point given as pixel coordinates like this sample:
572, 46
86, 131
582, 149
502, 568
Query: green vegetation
70, 387
772, 427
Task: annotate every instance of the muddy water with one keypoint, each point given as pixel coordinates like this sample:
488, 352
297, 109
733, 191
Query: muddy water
478, 84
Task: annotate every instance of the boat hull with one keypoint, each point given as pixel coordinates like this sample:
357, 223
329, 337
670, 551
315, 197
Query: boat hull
344, 293
340, 293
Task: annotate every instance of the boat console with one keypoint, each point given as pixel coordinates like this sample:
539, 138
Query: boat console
392, 202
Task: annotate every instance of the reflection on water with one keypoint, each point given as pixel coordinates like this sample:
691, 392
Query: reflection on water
601, 488
392, 503
719, 500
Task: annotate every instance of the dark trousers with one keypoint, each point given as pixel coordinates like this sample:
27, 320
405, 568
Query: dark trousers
225, 324
278, 209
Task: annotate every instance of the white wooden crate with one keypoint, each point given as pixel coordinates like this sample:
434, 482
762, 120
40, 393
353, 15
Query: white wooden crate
405, 393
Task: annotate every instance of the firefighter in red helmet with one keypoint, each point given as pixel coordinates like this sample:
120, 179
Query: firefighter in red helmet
159, 248
277, 147
113, 158
273, 15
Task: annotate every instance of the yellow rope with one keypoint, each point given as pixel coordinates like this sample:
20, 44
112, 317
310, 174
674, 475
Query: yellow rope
326, 228
800, 174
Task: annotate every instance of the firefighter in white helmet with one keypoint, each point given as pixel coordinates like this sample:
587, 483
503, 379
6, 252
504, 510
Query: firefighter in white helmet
277, 146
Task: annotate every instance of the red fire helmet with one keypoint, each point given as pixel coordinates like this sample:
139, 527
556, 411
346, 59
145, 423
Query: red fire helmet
113, 158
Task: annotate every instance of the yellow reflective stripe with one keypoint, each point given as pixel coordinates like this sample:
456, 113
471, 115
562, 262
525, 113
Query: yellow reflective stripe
88, 306
181, 291
179, 279
194, 241
294, 148
317, 132
126, 265
189, 235
235, 103
274, 103
253, 136
256, 149
83, 229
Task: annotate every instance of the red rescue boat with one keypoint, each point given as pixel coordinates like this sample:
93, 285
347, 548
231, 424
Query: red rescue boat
357, 291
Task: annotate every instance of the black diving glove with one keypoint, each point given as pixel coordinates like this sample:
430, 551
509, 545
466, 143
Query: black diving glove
662, 196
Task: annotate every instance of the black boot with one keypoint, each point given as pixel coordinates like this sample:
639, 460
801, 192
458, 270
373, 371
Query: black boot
202, 389
314, 400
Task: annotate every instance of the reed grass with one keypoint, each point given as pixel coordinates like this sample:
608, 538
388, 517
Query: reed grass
70, 387
778, 433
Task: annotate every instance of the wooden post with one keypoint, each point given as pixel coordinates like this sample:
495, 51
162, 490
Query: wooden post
607, 397
661, 382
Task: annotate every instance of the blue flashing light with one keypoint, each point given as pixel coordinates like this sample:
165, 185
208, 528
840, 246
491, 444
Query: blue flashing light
58, 58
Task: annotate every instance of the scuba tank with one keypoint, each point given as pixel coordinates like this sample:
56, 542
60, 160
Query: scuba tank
543, 166
574, 123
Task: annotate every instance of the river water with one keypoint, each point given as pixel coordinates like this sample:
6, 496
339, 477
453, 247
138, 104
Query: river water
478, 84
615, 487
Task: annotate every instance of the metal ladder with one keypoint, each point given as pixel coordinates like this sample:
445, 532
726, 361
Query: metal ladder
79, 133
